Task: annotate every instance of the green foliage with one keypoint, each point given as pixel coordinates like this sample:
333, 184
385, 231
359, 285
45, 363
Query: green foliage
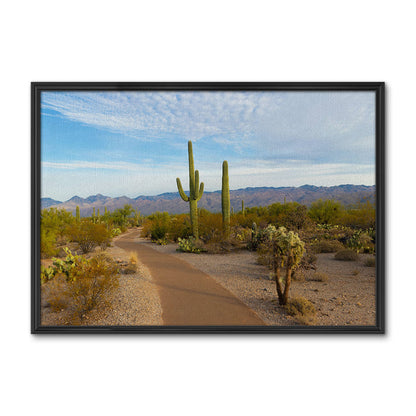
211, 227
361, 241
361, 216
190, 245
180, 226
325, 212
195, 192
258, 237
115, 232
225, 199
120, 217
89, 235
54, 224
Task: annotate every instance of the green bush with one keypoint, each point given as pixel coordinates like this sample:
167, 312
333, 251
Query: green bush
89, 235
190, 245
325, 212
346, 255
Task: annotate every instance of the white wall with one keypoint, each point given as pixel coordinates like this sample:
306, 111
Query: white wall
211, 41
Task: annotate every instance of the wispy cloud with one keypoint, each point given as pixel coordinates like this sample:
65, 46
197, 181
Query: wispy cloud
268, 138
323, 125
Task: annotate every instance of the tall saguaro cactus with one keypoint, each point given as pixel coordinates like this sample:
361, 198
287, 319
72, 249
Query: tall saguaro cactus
225, 198
195, 191
77, 215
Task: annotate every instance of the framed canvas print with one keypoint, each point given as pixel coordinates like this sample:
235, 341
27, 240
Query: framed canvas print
208, 207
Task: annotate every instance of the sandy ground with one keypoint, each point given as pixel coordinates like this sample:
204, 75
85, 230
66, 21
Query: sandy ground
347, 298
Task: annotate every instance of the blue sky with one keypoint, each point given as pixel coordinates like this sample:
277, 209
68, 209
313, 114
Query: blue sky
135, 143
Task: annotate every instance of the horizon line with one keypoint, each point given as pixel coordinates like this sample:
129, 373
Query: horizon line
219, 190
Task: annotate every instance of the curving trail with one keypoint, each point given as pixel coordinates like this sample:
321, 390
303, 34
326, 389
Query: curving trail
188, 295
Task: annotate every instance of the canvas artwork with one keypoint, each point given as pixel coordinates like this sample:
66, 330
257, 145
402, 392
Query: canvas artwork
207, 207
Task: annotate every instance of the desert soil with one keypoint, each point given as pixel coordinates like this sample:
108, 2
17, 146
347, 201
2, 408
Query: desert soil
347, 298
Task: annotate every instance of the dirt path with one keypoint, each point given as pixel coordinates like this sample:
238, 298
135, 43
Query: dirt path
188, 295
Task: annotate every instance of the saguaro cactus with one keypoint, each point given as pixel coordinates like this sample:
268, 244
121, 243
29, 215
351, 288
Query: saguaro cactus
225, 198
242, 207
77, 214
195, 192
93, 215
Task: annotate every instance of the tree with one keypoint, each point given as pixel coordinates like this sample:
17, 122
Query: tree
282, 249
325, 212
89, 235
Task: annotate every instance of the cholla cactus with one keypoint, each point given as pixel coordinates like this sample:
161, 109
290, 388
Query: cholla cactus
282, 249
195, 192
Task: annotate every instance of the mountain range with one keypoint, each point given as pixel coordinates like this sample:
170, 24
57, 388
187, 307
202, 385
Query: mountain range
259, 196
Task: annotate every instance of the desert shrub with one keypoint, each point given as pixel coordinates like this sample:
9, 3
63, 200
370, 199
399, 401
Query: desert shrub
210, 227
258, 237
89, 235
159, 230
362, 216
346, 255
115, 232
156, 226
83, 283
325, 212
370, 262
302, 309
361, 241
179, 227
190, 245
131, 266
327, 246
319, 277
121, 216
48, 242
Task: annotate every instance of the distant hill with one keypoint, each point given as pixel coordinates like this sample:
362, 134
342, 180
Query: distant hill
49, 202
260, 196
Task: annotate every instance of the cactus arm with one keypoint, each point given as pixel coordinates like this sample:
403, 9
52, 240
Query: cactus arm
181, 192
196, 185
201, 191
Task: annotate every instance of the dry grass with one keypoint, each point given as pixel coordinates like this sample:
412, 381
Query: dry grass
328, 246
371, 262
319, 277
302, 309
346, 255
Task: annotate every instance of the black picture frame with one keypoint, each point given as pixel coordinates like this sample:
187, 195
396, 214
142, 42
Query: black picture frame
38, 87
